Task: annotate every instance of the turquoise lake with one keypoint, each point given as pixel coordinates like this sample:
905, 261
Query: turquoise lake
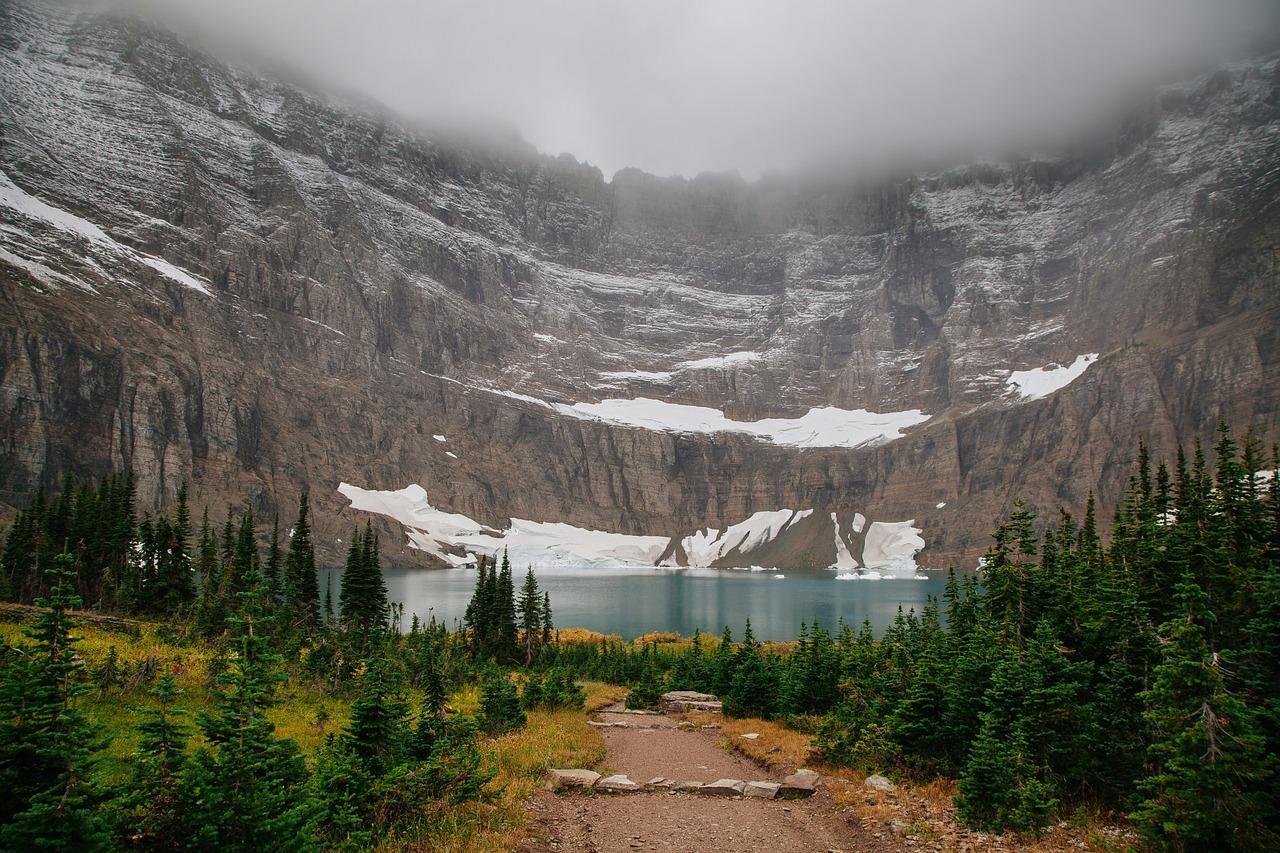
630, 602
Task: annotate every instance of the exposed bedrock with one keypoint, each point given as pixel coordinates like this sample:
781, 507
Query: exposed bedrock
217, 277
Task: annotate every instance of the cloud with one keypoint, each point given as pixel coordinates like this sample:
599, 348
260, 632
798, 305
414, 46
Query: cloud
683, 86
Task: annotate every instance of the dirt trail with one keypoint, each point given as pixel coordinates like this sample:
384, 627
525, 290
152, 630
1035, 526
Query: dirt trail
652, 746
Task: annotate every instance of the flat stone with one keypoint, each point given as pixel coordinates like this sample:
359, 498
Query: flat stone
749, 736
560, 779
680, 701
798, 785
617, 783
723, 788
763, 790
878, 783
686, 787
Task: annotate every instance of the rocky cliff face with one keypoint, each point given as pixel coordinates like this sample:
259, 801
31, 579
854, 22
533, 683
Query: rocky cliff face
210, 275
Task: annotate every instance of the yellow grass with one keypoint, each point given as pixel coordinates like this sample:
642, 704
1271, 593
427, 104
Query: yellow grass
922, 810
776, 746
551, 739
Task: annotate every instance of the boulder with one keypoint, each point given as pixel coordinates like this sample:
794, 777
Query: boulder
803, 783
763, 790
679, 701
876, 782
560, 779
723, 788
617, 784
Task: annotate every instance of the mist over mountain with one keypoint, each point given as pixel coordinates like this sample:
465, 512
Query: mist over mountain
679, 88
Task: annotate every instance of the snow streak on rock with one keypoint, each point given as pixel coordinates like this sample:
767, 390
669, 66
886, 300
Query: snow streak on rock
1043, 381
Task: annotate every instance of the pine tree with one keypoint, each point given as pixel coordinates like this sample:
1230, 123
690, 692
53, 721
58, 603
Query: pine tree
153, 810
1210, 762
500, 706
378, 734
753, 688
49, 799
247, 790
363, 594
275, 563
530, 609
505, 612
211, 611
547, 624
302, 585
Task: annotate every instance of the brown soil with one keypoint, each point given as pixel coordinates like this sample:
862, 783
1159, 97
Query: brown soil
688, 823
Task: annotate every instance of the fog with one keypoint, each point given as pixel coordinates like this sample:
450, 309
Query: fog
685, 86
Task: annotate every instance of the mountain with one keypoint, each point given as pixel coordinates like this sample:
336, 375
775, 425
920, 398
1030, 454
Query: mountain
215, 276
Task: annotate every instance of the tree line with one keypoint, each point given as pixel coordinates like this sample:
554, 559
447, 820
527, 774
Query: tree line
1140, 675
260, 612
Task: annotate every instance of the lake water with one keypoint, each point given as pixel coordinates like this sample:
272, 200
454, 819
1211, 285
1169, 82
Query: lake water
630, 602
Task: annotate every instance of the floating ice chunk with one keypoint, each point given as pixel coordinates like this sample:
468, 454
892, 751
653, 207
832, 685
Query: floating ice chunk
440, 438
1043, 381
779, 577
451, 454
940, 505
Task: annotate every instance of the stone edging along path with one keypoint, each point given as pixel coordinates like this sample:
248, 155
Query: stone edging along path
798, 785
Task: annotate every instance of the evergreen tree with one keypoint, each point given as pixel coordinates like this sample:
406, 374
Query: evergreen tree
302, 585
530, 609
1210, 762
500, 706
247, 790
48, 799
505, 613
363, 594
153, 810
272, 570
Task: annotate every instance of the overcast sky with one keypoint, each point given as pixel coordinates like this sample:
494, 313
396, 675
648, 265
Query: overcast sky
683, 86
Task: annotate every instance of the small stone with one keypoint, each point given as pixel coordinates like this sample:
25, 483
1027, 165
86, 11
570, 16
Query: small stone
749, 736
763, 790
616, 784
723, 788
560, 779
685, 787
878, 783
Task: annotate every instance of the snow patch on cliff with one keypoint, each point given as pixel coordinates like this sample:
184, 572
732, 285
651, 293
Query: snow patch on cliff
705, 547
534, 543
1043, 381
825, 426
891, 547
720, 361
844, 558
28, 206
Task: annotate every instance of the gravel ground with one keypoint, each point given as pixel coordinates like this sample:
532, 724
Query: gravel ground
687, 823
